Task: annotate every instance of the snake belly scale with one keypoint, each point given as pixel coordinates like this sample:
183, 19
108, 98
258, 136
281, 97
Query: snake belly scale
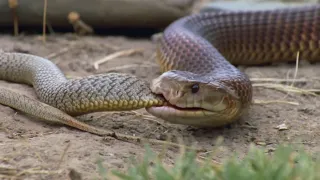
199, 86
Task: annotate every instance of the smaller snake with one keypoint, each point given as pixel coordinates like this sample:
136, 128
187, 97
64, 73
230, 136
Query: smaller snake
199, 85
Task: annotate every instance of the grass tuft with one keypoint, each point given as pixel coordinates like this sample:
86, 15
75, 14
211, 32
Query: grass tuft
284, 163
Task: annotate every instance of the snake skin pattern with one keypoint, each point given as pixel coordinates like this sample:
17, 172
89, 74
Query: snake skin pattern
198, 50
103, 92
196, 54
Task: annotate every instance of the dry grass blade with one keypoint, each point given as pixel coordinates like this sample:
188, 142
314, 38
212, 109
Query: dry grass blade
256, 101
128, 66
281, 87
13, 6
115, 55
60, 52
278, 80
128, 138
148, 118
316, 91
36, 171
296, 69
285, 88
63, 154
9, 171
45, 5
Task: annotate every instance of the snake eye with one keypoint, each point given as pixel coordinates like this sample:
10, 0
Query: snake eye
195, 88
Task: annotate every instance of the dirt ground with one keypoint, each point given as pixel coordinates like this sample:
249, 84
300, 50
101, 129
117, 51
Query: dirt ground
52, 151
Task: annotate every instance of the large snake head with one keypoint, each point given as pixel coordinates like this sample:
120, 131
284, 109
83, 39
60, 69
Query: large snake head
194, 100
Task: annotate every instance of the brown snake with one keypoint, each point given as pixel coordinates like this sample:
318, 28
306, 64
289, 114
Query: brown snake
199, 84
195, 53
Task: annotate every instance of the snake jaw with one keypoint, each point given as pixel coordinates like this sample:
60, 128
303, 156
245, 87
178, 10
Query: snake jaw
214, 105
175, 88
226, 111
211, 105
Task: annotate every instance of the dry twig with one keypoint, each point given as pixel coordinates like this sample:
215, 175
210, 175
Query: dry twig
285, 88
127, 67
148, 118
63, 154
296, 69
256, 101
13, 6
278, 80
115, 55
60, 52
8, 170
44, 20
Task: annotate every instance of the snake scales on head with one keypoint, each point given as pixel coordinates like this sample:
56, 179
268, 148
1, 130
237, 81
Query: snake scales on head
198, 87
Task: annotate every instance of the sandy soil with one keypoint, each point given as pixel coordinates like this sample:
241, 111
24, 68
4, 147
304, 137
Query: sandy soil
30, 145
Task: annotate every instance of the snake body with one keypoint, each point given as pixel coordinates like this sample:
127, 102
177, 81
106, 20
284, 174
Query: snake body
198, 51
112, 91
199, 85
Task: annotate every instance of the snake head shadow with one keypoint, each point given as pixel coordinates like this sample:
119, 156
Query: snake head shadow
194, 100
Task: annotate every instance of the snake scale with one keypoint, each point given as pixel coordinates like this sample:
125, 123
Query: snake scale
199, 85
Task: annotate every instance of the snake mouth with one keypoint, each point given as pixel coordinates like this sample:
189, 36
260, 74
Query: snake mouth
188, 116
194, 116
169, 110
177, 108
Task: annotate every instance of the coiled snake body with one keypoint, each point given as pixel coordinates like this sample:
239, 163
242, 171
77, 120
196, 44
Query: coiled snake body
199, 85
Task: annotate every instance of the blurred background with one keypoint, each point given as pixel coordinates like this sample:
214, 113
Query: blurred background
112, 16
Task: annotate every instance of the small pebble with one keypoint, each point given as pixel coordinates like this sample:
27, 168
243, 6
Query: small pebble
282, 127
